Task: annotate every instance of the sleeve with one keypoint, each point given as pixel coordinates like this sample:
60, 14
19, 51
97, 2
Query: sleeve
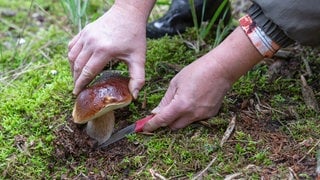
266, 46
287, 21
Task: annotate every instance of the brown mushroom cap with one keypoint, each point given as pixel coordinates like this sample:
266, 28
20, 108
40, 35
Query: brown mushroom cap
108, 92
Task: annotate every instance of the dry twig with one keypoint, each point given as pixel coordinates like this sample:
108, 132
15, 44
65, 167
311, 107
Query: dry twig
308, 95
156, 175
232, 176
8, 78
229, 130
306, 63
292, 174
225, 137
310, 150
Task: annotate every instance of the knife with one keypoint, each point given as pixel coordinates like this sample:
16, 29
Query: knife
133, 128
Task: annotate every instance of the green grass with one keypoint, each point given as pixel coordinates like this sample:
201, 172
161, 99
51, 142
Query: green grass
34, 84
36, 98
76, 11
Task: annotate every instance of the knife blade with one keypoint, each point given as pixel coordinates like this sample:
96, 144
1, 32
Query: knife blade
133, 128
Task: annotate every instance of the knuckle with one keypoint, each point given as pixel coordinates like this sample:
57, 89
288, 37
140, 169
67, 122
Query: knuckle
71, 57
76, 68
162, 122
90, 41
86, 72
140, 82
101, 49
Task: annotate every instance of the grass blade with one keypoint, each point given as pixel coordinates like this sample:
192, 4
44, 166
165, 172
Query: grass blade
205, 32
76, 11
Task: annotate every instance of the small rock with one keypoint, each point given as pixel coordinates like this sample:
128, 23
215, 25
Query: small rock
21, 41
8, 13
54, 72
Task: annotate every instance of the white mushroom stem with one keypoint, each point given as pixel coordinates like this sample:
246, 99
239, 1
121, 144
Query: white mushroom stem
101, 128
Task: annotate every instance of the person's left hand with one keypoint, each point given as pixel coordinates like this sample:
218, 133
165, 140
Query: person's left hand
118, 34
194, 94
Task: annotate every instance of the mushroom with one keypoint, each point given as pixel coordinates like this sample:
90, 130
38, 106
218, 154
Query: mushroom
95, 104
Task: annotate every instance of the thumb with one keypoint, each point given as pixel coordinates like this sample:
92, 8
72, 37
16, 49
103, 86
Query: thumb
165, 111
167, 98
165, 117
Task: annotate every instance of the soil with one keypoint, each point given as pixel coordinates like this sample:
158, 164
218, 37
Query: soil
285, 150
74, 145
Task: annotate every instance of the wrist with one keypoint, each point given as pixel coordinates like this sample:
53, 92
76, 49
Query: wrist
138, 8
236, 55
261, 41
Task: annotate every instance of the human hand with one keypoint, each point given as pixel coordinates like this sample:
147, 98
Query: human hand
118, 34
195, 93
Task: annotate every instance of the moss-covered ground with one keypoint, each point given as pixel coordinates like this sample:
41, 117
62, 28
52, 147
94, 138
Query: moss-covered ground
275, 107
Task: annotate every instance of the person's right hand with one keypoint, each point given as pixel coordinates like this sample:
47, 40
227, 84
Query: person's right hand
197, 91
194, 94
119, 34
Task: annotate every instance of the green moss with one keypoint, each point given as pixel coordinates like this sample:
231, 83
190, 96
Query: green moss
32, 98
36, 85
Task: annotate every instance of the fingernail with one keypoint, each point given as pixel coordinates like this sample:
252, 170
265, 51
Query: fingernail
155, 110
75, 92
135, 94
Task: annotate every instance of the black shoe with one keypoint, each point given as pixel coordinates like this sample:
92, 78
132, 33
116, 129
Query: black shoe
179, 17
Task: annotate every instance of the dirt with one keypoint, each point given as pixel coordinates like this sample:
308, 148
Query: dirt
73, 146
285, 151
255, 116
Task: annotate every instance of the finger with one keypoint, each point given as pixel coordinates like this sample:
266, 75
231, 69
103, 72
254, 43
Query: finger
137, 77
166, 117
89, 72
73, 54
80, 62
73, 41
167, 98
181, 122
